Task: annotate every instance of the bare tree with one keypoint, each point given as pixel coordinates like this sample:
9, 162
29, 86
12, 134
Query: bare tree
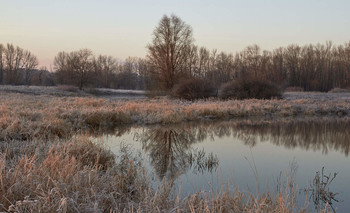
277, 71
104, 69
75, 67
128, 74
172, 38
146, 81
204, 61
16, 60
190, 66
29, 63
81, 62
224, 67
292, 58
62, 69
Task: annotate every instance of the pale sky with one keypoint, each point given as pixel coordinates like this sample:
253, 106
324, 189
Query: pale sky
124, 28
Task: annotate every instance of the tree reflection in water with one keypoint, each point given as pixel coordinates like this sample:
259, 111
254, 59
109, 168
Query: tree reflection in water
316, 134
171, 153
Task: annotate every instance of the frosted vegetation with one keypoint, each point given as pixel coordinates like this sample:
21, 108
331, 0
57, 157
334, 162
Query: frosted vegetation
27, 116
49, 164
43, 166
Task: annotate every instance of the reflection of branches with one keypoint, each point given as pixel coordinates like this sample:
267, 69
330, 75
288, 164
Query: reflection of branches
169, 147
322, 134
316, 134
170, 150
200, 162
321, 195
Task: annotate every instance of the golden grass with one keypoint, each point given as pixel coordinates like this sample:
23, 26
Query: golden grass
25, 117
44, 169
81, 176
77, 176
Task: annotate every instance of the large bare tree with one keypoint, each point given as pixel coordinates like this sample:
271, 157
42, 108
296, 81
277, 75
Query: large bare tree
172, 39
82, 65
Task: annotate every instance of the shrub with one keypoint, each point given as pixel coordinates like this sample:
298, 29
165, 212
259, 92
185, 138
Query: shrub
191, 89
249, 88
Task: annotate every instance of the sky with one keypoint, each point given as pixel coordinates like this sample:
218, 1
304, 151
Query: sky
124, 28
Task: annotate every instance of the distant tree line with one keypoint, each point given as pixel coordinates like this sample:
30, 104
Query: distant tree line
174, 58
78, 68
83, 69
318, 67
17, 66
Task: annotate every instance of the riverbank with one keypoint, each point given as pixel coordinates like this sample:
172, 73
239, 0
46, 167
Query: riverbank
27, 116
42, 167
77, 175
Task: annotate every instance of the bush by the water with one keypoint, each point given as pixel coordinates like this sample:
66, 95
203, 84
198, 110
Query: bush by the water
249, 88
191, 89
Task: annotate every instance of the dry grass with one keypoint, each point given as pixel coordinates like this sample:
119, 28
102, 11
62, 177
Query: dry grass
74, 176
24, 117
81, 176
71, 91
43, 168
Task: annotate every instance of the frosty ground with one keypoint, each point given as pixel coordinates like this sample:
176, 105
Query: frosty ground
48, 164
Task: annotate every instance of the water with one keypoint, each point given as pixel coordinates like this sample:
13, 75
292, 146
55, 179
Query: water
252, 156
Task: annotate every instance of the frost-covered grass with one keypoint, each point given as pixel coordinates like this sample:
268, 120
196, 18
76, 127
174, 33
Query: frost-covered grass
77, 175
123, 91
43, 168
24, 116
71, 91
317, 96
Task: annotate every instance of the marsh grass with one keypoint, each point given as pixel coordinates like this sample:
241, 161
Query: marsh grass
44, 167
71, 176
78, 175
25, 117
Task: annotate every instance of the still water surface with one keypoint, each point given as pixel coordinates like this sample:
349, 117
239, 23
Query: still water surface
251, 155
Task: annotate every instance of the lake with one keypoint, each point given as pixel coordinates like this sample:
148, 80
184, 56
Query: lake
250, 155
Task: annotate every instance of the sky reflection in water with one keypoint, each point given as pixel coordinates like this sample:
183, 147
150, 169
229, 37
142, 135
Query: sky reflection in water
206, 156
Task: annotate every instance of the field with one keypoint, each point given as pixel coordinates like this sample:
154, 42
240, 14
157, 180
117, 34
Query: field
27, 116
48, 163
